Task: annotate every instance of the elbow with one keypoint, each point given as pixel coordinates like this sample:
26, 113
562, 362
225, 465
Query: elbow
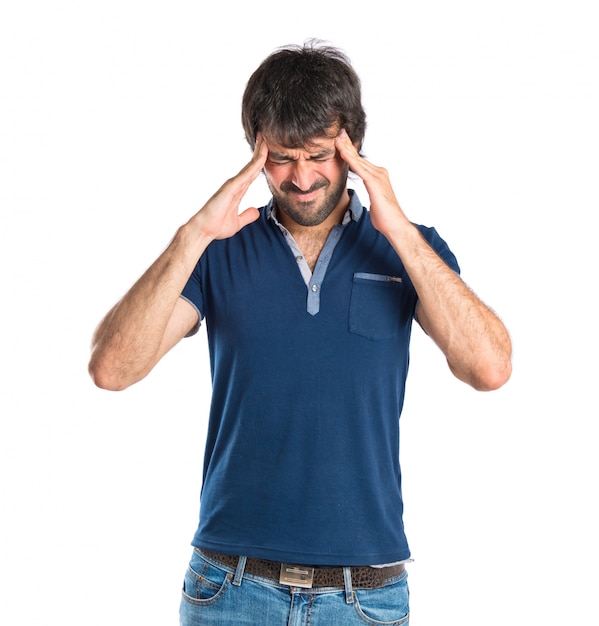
106, 377
494, 380
492, 368
485, 376
492, 376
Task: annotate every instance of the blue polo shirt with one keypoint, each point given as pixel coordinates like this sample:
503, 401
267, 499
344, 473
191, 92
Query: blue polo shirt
308, 371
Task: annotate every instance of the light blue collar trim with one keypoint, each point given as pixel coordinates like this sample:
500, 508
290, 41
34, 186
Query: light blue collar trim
315, 280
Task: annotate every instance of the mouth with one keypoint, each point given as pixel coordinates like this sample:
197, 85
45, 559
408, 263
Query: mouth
300, 194
305, 196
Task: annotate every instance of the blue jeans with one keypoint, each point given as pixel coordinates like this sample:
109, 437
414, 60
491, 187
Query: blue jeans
217, 595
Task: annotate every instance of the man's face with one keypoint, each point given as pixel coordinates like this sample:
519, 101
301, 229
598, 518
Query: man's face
308, 183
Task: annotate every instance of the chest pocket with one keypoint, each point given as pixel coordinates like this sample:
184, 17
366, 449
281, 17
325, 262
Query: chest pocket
376, 305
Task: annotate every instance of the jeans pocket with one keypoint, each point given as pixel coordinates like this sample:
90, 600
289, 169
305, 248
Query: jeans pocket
388, 605
204, 584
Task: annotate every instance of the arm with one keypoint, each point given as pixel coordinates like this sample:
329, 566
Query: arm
151, 318
475, 342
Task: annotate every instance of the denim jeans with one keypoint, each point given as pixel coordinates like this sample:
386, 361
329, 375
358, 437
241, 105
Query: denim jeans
217, 595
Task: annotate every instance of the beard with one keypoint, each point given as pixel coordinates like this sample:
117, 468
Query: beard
311, 212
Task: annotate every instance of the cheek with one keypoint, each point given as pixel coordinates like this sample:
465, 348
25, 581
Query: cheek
275, 174
336, 170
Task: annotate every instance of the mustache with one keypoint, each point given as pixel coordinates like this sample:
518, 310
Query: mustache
288, 186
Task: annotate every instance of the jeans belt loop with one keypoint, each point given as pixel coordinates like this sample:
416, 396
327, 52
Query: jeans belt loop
349, 592
239, 570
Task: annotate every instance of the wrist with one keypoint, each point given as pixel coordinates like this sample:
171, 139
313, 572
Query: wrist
192, 238
399, 229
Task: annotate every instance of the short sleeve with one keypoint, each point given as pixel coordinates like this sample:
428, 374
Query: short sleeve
439, 245
192, 292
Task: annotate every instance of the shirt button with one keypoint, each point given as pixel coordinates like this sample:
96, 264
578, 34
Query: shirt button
314, 288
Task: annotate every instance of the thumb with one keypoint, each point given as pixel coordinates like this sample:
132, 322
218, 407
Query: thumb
248, 216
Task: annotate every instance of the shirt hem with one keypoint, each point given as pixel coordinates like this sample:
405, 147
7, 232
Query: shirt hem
303, 558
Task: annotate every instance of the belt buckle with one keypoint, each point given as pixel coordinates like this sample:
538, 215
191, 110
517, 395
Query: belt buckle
296, 575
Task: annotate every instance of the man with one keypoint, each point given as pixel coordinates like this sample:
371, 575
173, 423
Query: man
309, 303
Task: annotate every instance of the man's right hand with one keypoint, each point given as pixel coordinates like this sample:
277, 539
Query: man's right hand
220, 218
152, 317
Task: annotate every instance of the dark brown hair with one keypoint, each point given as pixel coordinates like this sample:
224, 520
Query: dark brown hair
299, 93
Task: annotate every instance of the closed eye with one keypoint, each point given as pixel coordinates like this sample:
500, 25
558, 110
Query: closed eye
327, 155
279, 159
282, 159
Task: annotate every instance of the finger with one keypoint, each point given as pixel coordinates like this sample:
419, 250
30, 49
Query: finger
261, 150
345, 146
349, 153
248, 216
361, 166
347, 149
251, 170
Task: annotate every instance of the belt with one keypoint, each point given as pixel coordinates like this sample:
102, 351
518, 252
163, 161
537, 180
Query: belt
362, 577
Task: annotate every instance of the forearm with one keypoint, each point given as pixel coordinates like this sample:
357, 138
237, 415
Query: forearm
474, 340
130, 339
150, 319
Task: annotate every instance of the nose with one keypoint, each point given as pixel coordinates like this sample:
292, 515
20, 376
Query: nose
302, 175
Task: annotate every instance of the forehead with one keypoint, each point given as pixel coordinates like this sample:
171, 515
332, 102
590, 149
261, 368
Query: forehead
281, 142
317, 145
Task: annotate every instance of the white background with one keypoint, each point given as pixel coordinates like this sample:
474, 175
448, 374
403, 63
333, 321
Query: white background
119, 119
